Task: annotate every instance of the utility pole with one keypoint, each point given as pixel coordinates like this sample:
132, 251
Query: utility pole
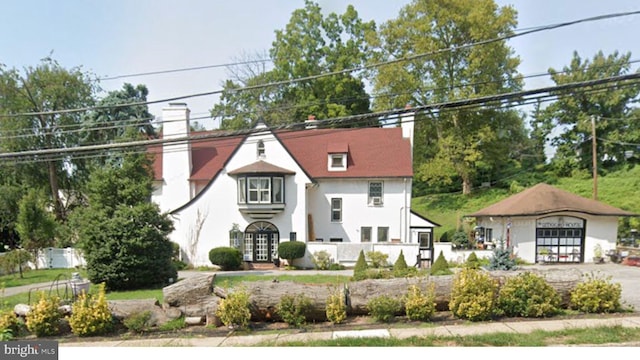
594, 157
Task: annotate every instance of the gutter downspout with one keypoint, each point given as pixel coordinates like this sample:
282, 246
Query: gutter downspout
406, 215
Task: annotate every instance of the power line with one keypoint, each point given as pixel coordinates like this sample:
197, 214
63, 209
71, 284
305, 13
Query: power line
341, 72
329, 122
184, 69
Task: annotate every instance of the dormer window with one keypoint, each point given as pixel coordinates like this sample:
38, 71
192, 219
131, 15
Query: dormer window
337, 162
260, 149
337, 157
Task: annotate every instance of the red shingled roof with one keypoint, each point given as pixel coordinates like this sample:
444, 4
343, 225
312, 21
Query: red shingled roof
545, 199
372, 152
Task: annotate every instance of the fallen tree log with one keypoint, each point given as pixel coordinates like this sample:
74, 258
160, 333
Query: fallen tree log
265, 295
188, 291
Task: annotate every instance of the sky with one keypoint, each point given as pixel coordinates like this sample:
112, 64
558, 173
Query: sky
122, 37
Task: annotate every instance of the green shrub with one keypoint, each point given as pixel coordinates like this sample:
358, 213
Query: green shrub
138, 322
378, 259
460, 240
336, 266
44, 317
528, 295
502, 258
400, 266
596, 294
291, 250
384, 308
14, 260
90, 314
440, 266
473, 295
175, 324
227, 258
234, 311
472, 261
10, 325
336, 309
378, 274
360, 270
293, 309
322, 260
420, 305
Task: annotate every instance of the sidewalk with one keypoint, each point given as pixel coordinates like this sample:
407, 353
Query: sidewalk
520, 327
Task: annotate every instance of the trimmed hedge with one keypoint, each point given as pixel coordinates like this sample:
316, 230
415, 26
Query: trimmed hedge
227, 258
291, 250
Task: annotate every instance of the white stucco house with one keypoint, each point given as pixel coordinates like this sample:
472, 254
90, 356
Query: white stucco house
547, 224
338, 190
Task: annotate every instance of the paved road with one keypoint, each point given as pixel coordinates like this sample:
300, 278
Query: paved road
627, 276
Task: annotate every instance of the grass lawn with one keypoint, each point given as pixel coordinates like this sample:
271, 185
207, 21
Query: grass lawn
222, 280
38, 276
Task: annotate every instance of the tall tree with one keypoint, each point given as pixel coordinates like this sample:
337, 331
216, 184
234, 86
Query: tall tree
123, 235
44, 91
458, 144
609, 108
311, 44
111, 120
35, 224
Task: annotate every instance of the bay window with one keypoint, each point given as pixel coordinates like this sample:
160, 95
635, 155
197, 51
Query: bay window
260, 190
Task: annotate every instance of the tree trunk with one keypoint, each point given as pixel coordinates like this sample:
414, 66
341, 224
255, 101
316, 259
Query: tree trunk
467, 186
55, 190
265, 295
188, 291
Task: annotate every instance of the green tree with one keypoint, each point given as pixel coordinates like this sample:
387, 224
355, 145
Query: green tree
10, 195
311, 43
111, 120
35, 224
611, 109
42, 92
123, 235
452, 145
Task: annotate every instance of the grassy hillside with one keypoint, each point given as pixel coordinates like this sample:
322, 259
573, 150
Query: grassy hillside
620, 189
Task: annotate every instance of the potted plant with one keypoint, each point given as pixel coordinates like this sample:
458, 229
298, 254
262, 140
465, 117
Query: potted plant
597, 254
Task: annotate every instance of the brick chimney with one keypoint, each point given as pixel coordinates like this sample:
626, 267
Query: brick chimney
311, 122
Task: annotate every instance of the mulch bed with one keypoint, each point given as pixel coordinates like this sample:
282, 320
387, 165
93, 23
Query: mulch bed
257, 328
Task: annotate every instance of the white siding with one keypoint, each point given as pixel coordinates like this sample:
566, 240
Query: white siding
219, 203
601, 230
356, 212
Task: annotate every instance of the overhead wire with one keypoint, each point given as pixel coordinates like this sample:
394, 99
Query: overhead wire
493, 99
340, 72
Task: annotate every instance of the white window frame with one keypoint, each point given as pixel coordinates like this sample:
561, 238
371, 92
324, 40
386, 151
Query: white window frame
336, 210
364, 229
242, 190
263, 193
386, 239
274, 185
337, 166
375, 199
260, 151
260, 191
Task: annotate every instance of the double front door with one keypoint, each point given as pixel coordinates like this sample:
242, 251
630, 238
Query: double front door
261, 242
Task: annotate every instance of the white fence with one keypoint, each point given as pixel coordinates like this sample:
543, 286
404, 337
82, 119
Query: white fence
347, 254
56, 258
